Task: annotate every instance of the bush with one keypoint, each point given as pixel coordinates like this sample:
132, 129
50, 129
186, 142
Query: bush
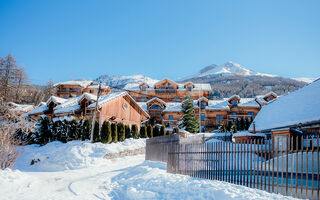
135, 132
162, 130
96, 135
149, 131
176, 130
143, 131
45, 133
121, 131
168, 133
114, 131
128, 132
104, 132
156, 132
85, 129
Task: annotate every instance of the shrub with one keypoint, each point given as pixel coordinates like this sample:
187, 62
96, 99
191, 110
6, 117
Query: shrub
143, 131
121, 131
162, 130
128, 132
104, 132
114, 131
85, 129
149, 131
176, 130
135, 131
96, 135
156, 132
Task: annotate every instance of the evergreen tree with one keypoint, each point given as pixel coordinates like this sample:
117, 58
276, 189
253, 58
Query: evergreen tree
45, 131
128, 131
73, 131
143, 131
135, 131
222, 128
104, 132
121, 132
85, 129
114, 130
156, 132
96, 135
189, 120
234, 129
162, 130
242, 125
168, 132
176, 130
109, 133
150, 131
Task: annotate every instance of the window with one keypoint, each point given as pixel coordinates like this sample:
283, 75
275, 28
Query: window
135, 98
169, 84
202, 117
155, 107
66, 89
234, 102
270, 98
162, 88
124, 106
91, 91
170, 88
176, 98
170, 117
203, 105
143, 88
143, 98
251, 113
189, 88
163, 83
219, 117
234, 113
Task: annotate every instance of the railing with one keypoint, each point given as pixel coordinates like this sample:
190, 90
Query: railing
212, 122
287, 166
164, 91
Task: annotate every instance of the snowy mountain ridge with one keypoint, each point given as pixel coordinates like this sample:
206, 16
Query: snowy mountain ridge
228, 69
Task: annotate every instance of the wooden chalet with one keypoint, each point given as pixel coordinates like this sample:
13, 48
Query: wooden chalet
19, 109
292, 114
70, 89
169, 91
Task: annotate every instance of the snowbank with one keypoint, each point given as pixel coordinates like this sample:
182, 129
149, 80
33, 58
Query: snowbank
57, 156
149, 180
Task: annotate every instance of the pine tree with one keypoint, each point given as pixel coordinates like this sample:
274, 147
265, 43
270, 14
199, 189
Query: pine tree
114, 130
176, 130
104, 132
96, 135
163, 130
121, 132
128, 131
189, 120
85, 129
168, 132
150, 131
135, 131
234, 129
143, 131
156, 132
73, 131
242, 125
45, 132
109, 133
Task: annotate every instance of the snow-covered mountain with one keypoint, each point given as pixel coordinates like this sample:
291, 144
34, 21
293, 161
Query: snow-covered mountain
306, 80
125, 81
228, 69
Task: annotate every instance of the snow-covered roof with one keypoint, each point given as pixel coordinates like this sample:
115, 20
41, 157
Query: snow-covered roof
234, 96
203, 98
69, 106
248, 102
299, 106
82, 83
96, 86
23, 108
90, 97
38, 110
156, 98
42, 103
270, 93
107, 98
56, 100
143, 105
246, 133
173, 107
218, 105
167, 80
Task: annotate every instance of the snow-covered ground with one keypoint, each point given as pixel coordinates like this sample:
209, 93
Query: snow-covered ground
77, 170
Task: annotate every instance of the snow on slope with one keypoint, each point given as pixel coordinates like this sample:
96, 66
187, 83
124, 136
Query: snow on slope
229, 68
150, 180
306, 80
126, 81
57, 156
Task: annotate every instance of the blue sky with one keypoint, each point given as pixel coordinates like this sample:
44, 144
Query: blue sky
71, 39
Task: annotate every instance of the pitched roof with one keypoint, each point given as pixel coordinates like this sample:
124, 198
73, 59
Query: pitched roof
56, 100
299, 106
82, 83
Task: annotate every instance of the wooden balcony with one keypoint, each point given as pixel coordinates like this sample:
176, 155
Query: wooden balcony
165, 91
213, 122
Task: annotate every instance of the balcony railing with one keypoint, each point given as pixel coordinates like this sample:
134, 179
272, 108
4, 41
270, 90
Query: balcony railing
213, 122
165, 91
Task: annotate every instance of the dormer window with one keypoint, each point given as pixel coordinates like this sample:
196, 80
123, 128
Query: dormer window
143, 88
270, 98
203, 105
91, 91
168, 83
234, 102
189, 88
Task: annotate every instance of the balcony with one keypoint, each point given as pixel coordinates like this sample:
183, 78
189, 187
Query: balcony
213, 122
165, 91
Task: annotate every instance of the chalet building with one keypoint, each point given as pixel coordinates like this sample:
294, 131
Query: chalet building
294, 113
169, 91
19, 109
115, 107
71, 89
119, 107
210, 112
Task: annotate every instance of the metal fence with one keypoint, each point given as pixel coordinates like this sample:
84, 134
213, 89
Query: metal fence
157, 148
289, 166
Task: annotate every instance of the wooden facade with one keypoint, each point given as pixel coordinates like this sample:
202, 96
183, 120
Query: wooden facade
70, 89
170, 91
